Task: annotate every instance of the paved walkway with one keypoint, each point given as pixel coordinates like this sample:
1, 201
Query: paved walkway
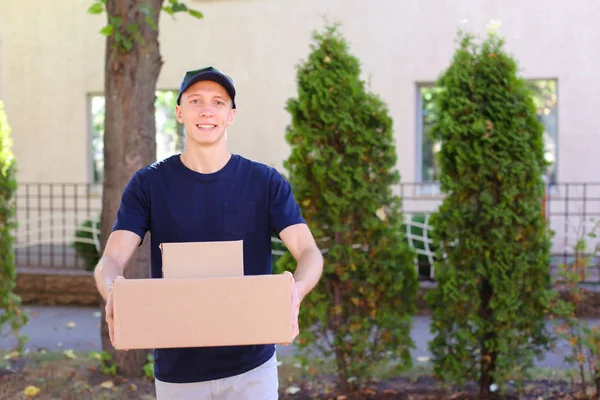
62, 328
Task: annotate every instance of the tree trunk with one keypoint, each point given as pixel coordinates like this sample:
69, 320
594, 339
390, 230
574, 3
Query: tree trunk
488, 356
129, 133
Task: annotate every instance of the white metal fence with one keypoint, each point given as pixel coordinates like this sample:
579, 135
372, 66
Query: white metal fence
50, 214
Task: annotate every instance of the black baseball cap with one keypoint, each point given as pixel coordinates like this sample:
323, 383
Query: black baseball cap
207, 74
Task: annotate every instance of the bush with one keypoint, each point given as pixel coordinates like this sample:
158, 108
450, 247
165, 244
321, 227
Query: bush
12, 315
490, 303
85, 243
582, 335
342, 171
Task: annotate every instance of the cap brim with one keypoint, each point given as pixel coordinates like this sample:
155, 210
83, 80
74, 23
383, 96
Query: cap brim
210, 76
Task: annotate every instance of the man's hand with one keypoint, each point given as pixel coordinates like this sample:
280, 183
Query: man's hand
295, 303
110, 318
299, 241
295, 309
119, 249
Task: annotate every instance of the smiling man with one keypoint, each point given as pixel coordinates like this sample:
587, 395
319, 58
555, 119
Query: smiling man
208, 194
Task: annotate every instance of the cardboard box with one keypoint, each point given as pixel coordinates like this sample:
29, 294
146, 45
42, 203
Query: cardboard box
192, 306
163, 313
203, 259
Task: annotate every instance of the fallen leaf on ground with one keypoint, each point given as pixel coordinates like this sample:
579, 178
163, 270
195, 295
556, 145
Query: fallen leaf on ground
292, 390
107, 385
70, 354
13, 354
31, 391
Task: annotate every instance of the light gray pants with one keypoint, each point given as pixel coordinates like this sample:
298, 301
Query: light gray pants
260, 383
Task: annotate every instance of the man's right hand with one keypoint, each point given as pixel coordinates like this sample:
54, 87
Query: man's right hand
119, 249
110, 319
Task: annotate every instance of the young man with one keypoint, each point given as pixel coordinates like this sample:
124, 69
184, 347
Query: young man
209, 194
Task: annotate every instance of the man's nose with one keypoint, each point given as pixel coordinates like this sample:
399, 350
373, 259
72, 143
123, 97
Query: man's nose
206, 111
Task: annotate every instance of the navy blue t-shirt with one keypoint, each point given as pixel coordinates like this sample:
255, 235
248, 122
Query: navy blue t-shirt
245, 200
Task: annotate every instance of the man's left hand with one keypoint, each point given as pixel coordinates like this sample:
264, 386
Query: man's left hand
295, 302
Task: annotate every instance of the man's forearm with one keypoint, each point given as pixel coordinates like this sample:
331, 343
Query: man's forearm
105, 273
309, 270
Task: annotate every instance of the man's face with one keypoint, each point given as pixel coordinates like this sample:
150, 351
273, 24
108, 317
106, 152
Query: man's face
206, 111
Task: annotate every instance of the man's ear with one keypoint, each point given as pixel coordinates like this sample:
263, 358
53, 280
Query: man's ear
178, 114
231, 118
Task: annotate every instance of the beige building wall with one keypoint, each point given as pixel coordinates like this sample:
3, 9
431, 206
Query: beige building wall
53, 57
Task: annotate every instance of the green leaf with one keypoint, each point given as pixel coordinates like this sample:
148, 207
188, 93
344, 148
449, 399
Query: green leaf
179, 7
139, 39
150, 22
127, 44
168, 10
107, 30
117, 22
196, 14
96, 8
132, 28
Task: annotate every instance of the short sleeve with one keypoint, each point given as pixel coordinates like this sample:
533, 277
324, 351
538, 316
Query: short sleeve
283, 209
134, 212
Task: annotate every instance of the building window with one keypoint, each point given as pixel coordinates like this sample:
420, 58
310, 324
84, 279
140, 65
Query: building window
170, 134
545, 97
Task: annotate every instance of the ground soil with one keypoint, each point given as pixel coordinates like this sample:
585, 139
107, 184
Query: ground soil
65, 378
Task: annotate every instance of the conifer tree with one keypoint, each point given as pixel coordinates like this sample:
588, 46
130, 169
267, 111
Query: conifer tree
12, 316
493, 261
342, 170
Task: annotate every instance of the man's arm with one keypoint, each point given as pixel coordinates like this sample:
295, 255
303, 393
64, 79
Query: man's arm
300, 242
119, 249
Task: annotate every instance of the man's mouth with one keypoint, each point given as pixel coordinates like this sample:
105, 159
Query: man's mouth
206, 126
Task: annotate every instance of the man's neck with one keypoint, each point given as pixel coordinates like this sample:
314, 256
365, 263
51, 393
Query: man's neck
206, 160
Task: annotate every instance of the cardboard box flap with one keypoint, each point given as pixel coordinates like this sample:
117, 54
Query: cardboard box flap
202, 259
166, 313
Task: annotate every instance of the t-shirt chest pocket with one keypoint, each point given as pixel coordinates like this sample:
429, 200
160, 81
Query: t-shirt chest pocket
239, 217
